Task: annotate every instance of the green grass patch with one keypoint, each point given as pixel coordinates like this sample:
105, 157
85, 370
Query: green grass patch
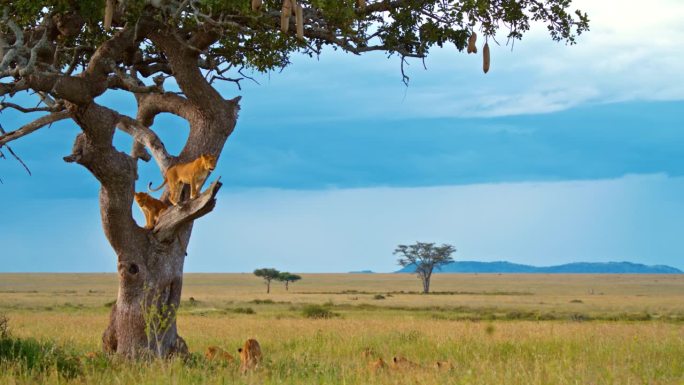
4, 327
243, 310
318, 312
34, 355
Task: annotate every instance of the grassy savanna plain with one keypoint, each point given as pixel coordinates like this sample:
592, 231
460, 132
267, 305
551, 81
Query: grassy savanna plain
493, 329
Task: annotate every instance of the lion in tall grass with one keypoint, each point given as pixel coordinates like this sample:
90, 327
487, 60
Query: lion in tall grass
377, 365
214, 353
250, 355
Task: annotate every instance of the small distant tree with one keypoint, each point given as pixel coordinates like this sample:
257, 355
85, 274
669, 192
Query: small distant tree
287, 278
268, 275
425, 257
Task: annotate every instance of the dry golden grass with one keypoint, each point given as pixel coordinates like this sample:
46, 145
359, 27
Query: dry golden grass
604, 294
424, 329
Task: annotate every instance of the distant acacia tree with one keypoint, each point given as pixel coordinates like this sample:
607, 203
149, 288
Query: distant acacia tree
268, 275
287, 278
425, 257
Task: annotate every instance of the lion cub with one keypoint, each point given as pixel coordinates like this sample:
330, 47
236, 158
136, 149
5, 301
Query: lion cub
151, 207
250, 355
214, 353
193, 173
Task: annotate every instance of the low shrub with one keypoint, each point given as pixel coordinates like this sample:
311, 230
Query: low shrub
318, 312
579, 317
243, 310
263, 302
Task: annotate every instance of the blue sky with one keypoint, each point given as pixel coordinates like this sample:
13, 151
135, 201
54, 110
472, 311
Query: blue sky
558, 154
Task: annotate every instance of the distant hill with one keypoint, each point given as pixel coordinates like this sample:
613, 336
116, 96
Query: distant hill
569, 268
362, 272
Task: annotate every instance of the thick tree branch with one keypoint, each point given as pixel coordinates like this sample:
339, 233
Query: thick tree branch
203, 38
101, 63
33, 126
147, 69
147, 137
128, 83
13, 54
115, 170
76, 89
150, 105
13, 88
183, 62
83, 88
176, 216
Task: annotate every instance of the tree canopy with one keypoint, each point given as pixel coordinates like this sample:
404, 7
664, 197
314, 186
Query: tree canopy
46, 43
287, 278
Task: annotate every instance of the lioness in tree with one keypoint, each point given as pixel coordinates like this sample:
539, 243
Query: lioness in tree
193, 173
151, 207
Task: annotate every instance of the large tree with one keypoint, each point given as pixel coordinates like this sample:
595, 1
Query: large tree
68, 52
288, 278
424, 258
268, 275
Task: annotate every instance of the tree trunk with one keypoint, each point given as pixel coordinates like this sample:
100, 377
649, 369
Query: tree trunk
143, 320
426, 283
287, 284
268, 286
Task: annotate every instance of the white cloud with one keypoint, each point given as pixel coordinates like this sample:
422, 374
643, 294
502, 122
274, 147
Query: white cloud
633, 52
